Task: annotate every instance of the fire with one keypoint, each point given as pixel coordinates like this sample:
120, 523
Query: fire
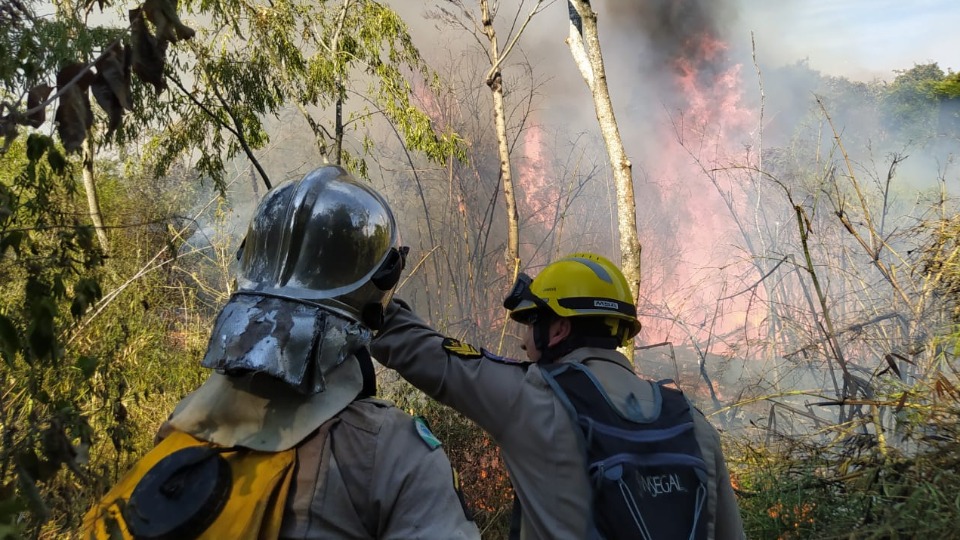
701, 138
537, 196
795, 517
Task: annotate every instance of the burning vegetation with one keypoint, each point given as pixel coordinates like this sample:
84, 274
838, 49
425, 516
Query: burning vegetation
800, 274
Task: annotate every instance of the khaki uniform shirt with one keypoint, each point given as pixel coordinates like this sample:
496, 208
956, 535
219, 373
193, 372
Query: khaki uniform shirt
539, 443
374, 477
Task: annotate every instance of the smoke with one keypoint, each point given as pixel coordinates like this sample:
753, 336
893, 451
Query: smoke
672, 29
686, 93
671, 63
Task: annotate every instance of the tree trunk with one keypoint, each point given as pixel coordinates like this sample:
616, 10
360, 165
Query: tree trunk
341, 90
92, 201
495, 82
584, 45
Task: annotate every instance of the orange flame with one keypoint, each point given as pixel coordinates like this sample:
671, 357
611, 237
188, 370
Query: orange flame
702, 268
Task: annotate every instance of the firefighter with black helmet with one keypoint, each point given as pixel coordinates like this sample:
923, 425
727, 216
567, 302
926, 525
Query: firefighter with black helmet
547, 415
285, 438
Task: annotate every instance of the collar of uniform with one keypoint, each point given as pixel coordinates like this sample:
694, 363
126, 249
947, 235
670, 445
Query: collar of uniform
585, 354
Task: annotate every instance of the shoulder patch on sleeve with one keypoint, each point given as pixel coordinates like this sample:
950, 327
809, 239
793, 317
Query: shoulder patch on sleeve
423, 430
461, 349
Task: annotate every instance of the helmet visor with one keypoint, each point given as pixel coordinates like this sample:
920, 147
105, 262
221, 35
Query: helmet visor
522, 303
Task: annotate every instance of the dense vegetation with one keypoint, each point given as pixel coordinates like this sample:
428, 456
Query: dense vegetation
102, 325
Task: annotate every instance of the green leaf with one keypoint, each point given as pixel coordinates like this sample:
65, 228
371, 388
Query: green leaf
59, 289
87, 365
7, 493
41, 335
84, 238
9, 340
6, 203
9, 531
28, 464
11, 240
10, 509
58, 163
28, 487
86, 292
36, 145
42, 396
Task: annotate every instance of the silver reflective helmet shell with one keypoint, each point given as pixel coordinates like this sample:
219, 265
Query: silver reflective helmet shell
322, 239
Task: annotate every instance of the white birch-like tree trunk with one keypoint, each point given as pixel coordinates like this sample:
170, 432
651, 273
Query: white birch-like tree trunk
89, 185
584, 45
495, 82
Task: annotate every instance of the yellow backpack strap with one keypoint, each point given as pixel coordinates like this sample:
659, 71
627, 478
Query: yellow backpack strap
258, 486
254, 510
273, 518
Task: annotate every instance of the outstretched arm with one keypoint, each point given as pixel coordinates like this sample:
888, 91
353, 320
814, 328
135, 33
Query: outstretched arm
483, 388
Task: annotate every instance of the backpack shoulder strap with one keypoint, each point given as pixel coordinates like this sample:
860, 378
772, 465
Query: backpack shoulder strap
312, 455
577, 387
550, 373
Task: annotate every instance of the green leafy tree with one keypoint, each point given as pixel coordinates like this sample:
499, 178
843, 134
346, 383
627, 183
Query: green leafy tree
948, 87
86, 373
341, 64
47, 258
75, 379
909, 104
948, 92
210, 95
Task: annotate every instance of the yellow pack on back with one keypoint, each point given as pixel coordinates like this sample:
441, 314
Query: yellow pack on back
202, 491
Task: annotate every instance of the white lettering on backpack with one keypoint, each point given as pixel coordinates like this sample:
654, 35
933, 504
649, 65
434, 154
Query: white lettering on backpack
661, 484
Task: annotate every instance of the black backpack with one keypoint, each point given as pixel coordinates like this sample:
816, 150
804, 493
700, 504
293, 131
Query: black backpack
648, 476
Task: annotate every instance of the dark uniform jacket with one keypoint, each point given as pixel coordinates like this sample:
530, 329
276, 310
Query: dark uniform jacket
512, 402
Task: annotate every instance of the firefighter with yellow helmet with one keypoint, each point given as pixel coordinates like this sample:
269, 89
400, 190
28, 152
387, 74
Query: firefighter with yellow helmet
286, 438
593, 450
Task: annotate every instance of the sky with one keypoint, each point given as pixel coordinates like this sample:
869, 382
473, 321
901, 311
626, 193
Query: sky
860, 39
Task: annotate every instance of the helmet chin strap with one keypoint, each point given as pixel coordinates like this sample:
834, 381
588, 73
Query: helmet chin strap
368, 372
541, 337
